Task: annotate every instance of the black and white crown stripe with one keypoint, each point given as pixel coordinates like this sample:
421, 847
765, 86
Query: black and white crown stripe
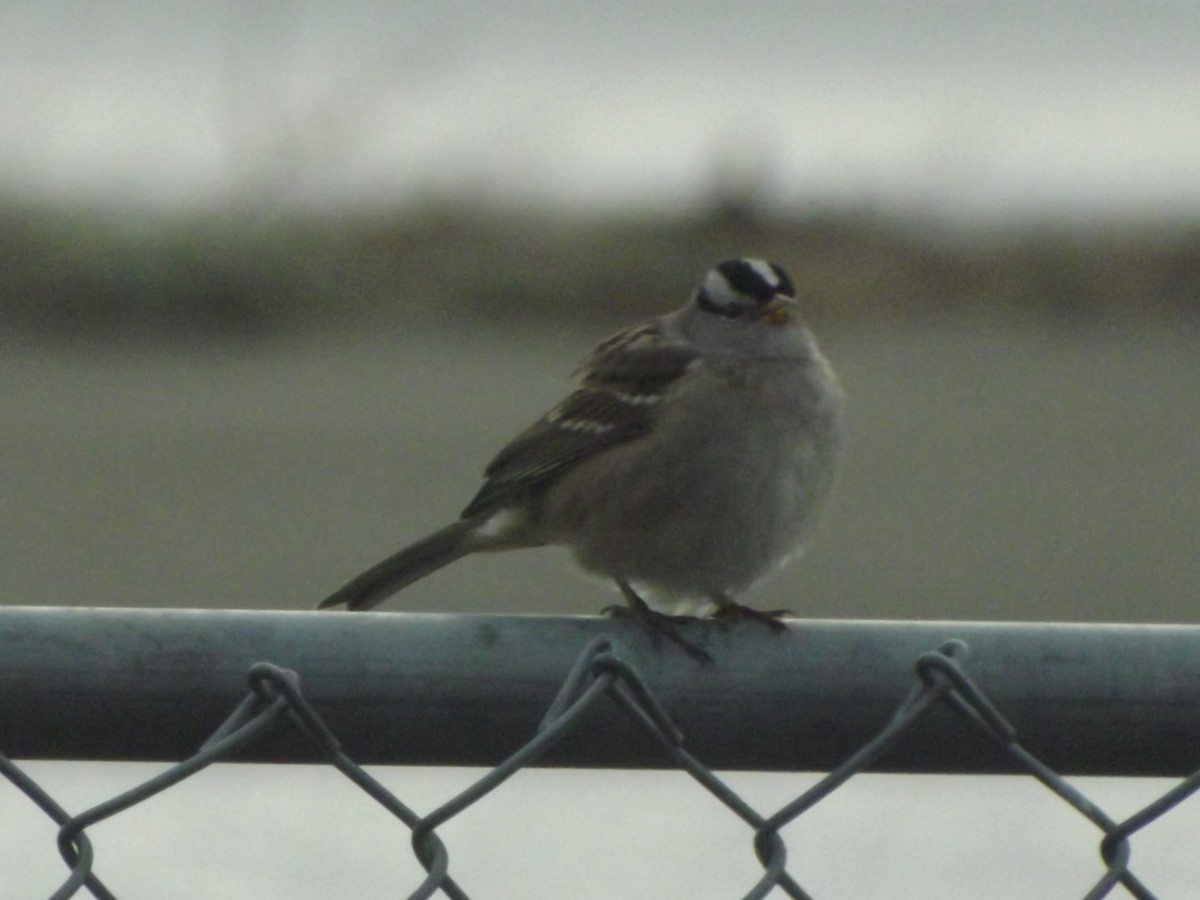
737, 286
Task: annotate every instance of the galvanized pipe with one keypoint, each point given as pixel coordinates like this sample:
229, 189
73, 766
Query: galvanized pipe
396, 688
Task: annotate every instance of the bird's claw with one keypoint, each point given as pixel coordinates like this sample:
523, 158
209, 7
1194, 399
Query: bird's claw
730, 612
659, 625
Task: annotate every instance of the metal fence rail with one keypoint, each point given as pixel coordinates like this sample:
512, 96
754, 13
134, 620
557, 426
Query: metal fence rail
509, 692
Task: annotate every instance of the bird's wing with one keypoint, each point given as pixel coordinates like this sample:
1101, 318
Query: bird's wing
623, 381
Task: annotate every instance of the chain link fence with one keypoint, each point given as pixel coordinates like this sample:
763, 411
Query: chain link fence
604, 676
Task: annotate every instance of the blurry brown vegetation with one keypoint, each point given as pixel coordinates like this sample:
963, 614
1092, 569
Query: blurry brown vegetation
85, 274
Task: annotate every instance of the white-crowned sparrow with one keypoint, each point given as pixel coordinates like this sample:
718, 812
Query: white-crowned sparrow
689, 462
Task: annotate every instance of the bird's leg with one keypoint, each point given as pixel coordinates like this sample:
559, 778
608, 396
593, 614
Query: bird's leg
659, 625
729, 611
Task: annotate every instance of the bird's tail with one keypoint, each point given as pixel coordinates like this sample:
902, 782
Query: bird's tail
401, 569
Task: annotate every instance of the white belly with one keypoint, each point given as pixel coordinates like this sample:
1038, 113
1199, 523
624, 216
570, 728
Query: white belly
713, 521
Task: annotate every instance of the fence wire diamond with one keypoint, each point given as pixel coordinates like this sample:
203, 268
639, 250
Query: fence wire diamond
602, 674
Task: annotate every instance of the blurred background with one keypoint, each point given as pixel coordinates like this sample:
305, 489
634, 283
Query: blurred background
277, 279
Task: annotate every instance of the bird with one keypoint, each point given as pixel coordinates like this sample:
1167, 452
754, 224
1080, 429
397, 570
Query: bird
688, 463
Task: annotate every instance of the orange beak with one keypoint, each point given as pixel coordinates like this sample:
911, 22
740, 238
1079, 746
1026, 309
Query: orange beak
779, 310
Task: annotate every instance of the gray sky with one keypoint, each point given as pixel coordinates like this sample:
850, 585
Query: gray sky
980, 108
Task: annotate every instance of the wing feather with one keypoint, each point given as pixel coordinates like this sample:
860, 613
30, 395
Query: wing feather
623, 381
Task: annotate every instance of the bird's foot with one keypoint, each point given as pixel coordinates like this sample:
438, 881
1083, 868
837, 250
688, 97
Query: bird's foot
729, 612
658, 625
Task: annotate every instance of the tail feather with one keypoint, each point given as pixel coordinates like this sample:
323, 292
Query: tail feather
401, 569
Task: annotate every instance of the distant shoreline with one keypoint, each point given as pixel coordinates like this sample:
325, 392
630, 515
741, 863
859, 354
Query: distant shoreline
84, 274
